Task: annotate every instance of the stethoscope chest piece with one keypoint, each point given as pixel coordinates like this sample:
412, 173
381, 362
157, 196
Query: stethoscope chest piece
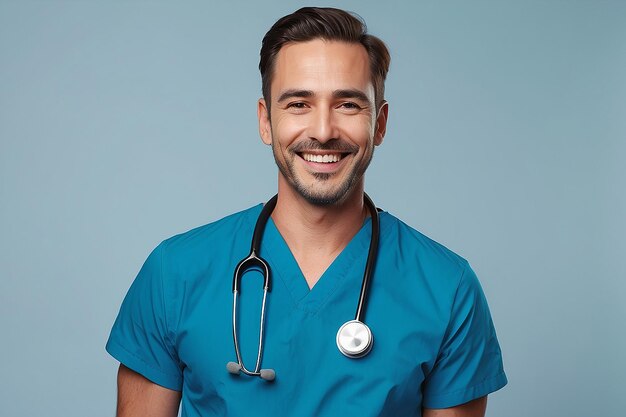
354, 339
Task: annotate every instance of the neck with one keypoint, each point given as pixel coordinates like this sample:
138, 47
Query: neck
317, 234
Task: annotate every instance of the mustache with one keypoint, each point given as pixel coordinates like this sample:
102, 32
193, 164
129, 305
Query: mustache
336, 145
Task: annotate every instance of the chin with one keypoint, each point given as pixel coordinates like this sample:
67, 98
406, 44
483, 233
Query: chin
325, 198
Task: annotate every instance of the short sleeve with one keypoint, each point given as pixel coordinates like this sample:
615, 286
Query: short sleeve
469, 363
141, 338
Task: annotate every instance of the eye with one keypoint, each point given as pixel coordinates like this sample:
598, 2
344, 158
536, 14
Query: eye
350, 107
297, 107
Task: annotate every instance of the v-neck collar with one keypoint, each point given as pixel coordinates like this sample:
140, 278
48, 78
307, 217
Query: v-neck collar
286, 269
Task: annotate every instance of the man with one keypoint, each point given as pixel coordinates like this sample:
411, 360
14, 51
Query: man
435, 353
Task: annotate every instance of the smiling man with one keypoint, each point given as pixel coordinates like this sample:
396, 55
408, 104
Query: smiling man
186, 332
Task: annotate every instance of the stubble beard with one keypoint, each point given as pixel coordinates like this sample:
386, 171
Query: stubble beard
325, 197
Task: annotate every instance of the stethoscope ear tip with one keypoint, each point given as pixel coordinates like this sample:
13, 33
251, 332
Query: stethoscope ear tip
233, 367
268, 374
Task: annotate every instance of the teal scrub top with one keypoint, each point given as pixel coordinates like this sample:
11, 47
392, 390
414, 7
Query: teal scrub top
434, 341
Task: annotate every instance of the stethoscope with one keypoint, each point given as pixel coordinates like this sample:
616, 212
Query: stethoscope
354, 339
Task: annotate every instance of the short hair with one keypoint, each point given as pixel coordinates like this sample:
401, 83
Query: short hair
309, 23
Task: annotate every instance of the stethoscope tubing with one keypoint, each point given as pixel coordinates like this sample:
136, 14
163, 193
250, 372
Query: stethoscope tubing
345, 332
257, 367
371, 259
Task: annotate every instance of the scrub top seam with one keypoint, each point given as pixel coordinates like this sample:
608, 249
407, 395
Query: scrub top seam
166, 314
480, 389
143, 361
480, 383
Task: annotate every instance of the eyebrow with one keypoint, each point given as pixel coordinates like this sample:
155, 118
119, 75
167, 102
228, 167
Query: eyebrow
286, 95
337, 94
351, 93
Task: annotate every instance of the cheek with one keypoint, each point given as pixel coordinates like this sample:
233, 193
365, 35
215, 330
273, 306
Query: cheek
287, 129
361, 130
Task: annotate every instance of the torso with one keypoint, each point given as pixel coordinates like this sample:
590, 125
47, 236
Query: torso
313, 377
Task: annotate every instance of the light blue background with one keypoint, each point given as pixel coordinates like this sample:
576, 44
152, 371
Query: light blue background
122, 123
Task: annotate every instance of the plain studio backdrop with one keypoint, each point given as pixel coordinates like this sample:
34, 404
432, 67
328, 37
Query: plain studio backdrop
125, 122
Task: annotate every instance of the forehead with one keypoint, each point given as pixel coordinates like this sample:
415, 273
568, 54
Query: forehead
319, 65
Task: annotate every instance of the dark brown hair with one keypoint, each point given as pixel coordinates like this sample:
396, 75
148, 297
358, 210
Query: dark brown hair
330, 24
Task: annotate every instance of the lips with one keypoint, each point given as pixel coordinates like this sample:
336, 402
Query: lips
326, 157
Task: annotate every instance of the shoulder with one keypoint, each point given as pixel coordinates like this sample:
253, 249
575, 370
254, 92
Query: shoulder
402, 237
210, 237
420, 264
219, 228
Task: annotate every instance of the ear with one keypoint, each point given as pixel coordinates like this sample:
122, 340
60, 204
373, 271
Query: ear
381, 123
265, 128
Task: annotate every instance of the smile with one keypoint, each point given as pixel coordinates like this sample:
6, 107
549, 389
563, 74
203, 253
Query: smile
324, 159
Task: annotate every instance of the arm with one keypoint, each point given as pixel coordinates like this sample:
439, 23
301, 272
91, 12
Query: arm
475, 408
137, 396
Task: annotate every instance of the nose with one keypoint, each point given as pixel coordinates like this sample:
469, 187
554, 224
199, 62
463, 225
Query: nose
323, 125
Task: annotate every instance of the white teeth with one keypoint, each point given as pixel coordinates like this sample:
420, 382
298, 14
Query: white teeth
321, 158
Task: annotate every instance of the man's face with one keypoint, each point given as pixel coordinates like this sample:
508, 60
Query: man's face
324, 124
